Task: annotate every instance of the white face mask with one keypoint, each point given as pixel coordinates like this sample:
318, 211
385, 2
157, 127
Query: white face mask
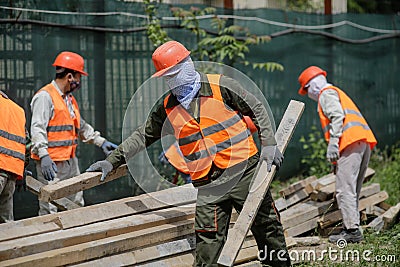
315, 85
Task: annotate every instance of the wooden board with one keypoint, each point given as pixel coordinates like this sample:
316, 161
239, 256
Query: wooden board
285, 203
297, 186
260, 186
78, 183
62, 204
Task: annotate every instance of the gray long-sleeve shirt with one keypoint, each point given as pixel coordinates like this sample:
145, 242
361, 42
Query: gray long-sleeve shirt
331, 107
42, 111
233, 95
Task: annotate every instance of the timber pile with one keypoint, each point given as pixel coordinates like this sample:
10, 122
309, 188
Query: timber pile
156, 229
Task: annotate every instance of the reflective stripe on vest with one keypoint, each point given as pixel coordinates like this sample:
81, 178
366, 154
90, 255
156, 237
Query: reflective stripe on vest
62, 130
12, 137
355, 127
221, 137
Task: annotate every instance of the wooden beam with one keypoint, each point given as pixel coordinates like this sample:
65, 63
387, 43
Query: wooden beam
106, 246
284, 203
175, 196
62, 204
297, 186
78, 183
74, 236
260, 186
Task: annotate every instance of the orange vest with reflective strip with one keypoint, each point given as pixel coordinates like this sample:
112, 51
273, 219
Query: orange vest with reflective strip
12, 137
221, 137
355, 127
62, 130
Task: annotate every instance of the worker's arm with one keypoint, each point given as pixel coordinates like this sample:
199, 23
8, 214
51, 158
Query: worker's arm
88, 135
330, 104
331, 107
42, 110
141, 138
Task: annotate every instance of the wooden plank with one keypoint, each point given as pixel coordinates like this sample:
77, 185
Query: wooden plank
305, 211
135, 257
323, 193
106, 246
391, 216
175, 196
302, 227
324, 181
285, 203
62, 204
78, 183
336, 216
297, 186
59, 239
260, 186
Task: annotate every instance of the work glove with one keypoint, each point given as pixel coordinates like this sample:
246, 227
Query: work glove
272, 155
104, 166
332, 152
108, 147
49, 168
20, 184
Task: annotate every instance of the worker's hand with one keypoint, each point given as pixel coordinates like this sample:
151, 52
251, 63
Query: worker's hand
272, 155
49, 168
20, 184
332, 152
104, 166
108, 147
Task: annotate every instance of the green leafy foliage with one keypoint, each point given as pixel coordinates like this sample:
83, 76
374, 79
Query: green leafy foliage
153, 29
228, 44
314, 159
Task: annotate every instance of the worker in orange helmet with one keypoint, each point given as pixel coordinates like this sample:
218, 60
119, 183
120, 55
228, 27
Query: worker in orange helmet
57, 125
350, 141
204, 112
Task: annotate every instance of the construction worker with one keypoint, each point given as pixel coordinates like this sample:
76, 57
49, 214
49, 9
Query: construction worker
173, 156
14, 154
350, 141
205, 114
57, 124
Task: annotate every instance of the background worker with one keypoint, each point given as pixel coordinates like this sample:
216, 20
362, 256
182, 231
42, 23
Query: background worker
350, 141
14, 154
205, 114
57, 124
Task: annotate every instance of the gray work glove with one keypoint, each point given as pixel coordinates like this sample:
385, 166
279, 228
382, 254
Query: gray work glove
108, 147
272, 155
49, 168
332, 152
104, 166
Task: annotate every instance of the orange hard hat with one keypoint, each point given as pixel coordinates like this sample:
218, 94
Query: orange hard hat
306, 76
168, 55
70, 60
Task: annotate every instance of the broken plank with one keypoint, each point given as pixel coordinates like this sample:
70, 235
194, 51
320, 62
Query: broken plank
336, 216
62, 204
78, 183
260, 186
297, 186
106, 246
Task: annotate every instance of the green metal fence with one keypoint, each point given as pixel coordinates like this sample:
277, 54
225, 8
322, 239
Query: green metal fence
118, 60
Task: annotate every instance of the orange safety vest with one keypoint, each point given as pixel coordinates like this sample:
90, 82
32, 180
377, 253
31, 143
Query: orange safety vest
221, 137
62, 130
355, 127
175, 157
12, 137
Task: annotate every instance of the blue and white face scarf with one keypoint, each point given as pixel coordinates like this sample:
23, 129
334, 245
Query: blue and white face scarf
183, 81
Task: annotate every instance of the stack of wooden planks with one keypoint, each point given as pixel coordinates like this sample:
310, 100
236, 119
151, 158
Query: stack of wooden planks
157, 229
